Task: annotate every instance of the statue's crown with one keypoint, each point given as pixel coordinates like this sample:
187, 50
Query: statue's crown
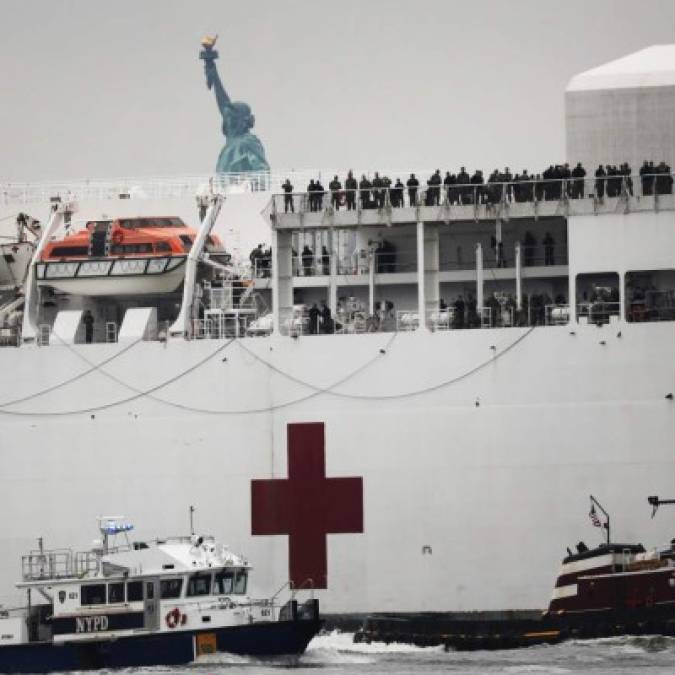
208, 41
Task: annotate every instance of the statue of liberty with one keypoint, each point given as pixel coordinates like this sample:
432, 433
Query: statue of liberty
243, 151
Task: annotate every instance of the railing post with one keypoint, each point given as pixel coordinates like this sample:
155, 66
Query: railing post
519, 280
479, 279
421, 296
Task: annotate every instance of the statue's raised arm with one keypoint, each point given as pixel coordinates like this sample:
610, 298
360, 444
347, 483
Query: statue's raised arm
243, 151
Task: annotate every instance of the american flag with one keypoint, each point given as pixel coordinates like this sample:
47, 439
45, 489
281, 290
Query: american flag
594, 517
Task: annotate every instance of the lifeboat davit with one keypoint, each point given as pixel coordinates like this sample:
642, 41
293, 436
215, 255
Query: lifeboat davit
126, 256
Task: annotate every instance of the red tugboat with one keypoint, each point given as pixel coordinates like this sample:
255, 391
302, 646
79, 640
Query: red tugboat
614, 589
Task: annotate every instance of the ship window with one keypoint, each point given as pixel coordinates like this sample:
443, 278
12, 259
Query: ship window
163, 247
199, 584
224, 582
115, 593
134, 591
93, 594
650, 296
149, 590
187, 242
240, 583
597, 297
66, 251
170, 588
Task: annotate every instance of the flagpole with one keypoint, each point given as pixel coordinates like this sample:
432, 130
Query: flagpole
599, 505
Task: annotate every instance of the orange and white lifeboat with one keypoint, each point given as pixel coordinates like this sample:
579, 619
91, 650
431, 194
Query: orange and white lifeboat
126, 256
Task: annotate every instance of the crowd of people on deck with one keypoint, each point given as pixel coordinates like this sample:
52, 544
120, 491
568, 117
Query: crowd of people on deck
554, 183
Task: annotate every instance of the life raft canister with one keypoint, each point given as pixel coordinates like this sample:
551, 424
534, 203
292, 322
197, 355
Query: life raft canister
118, 237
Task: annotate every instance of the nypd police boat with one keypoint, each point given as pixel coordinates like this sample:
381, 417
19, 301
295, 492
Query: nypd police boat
130, 604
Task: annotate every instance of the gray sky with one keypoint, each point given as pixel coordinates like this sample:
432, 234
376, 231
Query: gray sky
96, 89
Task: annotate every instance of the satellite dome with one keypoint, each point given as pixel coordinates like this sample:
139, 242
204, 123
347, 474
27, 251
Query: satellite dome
650, 67
623, 111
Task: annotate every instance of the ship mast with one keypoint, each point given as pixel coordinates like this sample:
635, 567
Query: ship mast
656, 502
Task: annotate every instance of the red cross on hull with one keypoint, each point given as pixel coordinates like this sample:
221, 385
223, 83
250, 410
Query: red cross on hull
307, 506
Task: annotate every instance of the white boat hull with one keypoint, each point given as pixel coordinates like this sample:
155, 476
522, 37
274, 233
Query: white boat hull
472, 486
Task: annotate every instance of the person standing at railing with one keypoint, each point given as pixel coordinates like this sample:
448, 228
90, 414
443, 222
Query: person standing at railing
386, 185
413, 185
307, 261
325, 261
435, 182
335, 186
351, 186
449, 181
320, 192
507, 177
288, 196
364, 192
664, 181
88, 321
465, 189
476, 190
647, 178
549, 244
314, 319
327, 325
378, 191
600, 182
311, 195
578, 173
397, 194
493, 188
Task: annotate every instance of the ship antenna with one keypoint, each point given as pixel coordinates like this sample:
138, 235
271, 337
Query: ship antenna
192, 524
595, 502
656, 502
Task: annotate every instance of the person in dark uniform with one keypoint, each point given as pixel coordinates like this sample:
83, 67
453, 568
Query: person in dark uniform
477, 191
351, 186
449, 183
600, 182
320, 192
458, 314
88, 321
578, 173
314, 320
364, 192
288, 196
413, 184
311, 195
386, 187
435, 181
507, 178
549, 243
397, 194
326, 319
465, 192
378, 191
335, 186
646, 179
307, 261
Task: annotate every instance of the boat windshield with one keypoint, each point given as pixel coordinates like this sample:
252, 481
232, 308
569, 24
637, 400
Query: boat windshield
137, 223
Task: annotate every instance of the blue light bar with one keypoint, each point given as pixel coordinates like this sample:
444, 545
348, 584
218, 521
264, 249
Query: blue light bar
116, 528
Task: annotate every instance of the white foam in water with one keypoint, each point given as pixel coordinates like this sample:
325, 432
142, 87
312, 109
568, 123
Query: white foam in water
337, 647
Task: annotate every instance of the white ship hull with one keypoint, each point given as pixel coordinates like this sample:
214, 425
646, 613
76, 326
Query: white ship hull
472, 486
